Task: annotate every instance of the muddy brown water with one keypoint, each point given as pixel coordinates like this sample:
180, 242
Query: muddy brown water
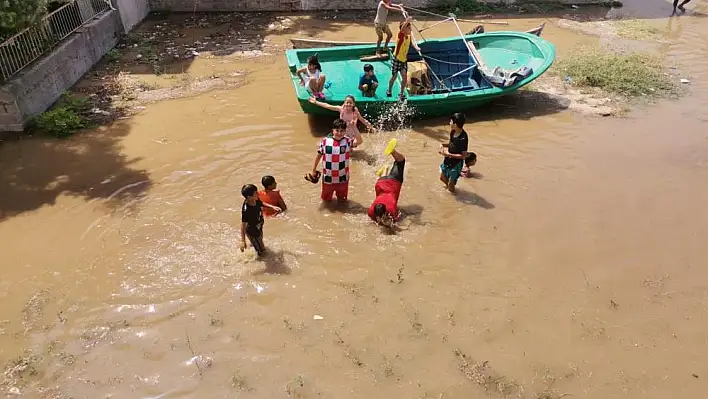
573, 263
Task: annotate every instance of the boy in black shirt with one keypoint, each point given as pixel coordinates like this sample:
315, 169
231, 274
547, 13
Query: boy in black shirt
252, 219
455, 152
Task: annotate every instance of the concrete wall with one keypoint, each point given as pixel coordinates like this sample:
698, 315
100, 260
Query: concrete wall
132, 12
36, 88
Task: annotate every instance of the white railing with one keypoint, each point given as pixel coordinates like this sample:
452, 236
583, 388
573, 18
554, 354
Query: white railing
25, 47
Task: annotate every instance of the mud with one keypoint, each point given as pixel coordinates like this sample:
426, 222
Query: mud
565, 267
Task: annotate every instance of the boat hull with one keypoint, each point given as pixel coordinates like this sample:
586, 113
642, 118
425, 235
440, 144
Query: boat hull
508, 50
413, 109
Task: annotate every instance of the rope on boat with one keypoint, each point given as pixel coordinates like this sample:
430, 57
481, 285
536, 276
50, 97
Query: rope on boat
463, 20
471, 49
422, 57
432, 26
445, 62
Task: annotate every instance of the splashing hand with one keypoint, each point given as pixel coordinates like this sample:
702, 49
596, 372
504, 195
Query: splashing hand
312, 100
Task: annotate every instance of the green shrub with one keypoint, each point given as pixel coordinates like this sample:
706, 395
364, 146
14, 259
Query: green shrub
112, 56
65, 118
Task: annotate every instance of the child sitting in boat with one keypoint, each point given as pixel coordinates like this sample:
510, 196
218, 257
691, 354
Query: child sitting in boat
368, 82
349, 113
315, 79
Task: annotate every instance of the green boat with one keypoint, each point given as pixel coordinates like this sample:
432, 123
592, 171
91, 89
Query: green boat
462, 74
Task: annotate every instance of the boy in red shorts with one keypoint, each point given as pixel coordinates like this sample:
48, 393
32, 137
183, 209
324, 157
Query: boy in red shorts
334, 151
384, 209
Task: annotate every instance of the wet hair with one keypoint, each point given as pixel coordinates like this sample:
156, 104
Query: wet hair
339, 124
458, 118
267, 181
314, 61
379, 210
471, 158
248, 190
368, 67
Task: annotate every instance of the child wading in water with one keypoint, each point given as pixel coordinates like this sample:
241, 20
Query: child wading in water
270, 195
384, 209
349, 113
381, 23
399, 64
470, 161
334, 151
252, 219
315, 79
455, 152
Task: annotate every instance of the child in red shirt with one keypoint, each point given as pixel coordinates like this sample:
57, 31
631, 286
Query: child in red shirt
271, 196
384, 209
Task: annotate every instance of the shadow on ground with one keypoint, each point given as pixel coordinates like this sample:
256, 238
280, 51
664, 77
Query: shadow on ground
275, 262
470, 198
522, 105
36, 170
349, 206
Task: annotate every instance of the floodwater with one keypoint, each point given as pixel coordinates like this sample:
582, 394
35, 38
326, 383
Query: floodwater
573, 263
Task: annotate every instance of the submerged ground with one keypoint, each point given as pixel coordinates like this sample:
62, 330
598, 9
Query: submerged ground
571, 264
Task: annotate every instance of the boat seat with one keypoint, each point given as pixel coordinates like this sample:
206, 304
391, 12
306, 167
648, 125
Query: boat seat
456, 69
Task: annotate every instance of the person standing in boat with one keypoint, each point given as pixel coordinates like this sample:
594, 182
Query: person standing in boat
381, 23
349, 113
399, 64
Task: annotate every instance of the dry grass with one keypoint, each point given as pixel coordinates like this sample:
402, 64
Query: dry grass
630, 75
635, 29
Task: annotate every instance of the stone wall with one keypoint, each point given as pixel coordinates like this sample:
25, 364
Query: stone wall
132, 12
40, 85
